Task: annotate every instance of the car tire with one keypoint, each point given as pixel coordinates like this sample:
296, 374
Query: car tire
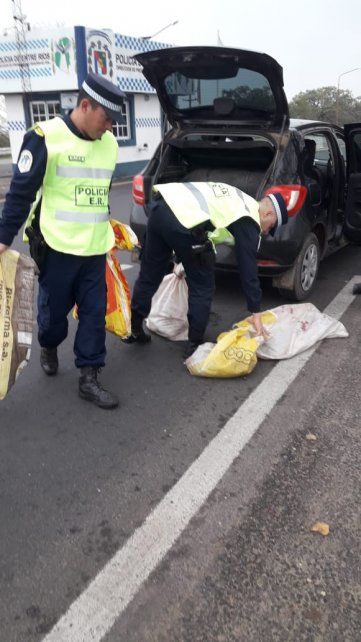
305, 270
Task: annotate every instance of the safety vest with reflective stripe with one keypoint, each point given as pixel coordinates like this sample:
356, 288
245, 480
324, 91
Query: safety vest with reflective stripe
74, 215
196, 203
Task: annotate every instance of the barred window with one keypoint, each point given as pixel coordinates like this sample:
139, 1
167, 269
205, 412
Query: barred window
44, 110
122, 131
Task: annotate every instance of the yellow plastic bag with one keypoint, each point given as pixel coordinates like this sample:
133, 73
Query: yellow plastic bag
268, 319
234, 354
125, 238
118, 315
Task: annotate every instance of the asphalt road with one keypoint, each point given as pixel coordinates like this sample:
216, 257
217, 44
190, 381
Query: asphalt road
77, 485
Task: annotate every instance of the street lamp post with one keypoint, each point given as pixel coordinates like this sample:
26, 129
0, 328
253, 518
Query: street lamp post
338, 89
171, 24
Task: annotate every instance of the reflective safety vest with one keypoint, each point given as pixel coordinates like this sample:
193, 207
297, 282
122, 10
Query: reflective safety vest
196, 203
74, 215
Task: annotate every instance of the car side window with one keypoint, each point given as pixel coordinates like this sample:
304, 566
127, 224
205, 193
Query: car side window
324, 164
323, 152
342, 146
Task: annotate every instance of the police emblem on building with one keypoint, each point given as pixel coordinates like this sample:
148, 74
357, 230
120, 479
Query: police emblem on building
100, 53
63, 54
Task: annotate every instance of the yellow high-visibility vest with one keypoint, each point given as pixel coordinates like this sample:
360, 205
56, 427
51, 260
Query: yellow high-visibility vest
219, 203
74, 215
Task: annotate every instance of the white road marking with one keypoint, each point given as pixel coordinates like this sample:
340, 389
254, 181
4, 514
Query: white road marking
94, 612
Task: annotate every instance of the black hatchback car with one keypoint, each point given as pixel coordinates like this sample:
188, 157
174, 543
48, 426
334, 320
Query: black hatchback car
227, 120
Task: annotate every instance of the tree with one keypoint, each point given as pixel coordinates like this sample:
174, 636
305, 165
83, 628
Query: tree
251, 98
326, 103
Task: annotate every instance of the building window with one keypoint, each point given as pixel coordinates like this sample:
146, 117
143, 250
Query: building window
44, 110
122, 131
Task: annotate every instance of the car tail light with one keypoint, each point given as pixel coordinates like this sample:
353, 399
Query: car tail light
138, 189
294, 196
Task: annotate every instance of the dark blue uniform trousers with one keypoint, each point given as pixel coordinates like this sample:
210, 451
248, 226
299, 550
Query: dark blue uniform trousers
164, 235
66, 280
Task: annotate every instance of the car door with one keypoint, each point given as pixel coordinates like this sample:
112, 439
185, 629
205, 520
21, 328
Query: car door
326, 174
352, 226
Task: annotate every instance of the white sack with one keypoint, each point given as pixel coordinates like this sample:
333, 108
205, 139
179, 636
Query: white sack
298, 327
168, 314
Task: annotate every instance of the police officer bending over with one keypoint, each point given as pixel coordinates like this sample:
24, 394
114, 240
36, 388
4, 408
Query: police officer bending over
61, 186
180, 219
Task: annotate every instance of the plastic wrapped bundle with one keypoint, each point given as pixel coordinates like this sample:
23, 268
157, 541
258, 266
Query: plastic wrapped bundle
16, 315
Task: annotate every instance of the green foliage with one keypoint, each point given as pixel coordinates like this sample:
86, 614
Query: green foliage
327, 104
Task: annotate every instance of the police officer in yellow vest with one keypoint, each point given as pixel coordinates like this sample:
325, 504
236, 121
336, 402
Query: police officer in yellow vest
182, 219
61, 186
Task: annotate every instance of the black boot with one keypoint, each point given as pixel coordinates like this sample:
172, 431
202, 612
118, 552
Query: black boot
49, 360
91, 390
138, 335
190, 347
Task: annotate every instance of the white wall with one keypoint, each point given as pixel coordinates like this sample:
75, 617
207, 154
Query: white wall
147, 128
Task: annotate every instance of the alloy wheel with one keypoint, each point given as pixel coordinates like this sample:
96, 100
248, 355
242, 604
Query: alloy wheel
309, 267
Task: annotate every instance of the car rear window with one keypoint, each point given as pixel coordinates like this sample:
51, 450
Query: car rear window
248, 89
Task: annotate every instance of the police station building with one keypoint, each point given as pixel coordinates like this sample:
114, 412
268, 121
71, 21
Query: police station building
55, 63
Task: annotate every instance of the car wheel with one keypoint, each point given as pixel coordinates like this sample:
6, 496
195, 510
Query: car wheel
305, 270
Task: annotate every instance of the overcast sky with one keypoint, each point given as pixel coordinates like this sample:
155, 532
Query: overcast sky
315, 40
